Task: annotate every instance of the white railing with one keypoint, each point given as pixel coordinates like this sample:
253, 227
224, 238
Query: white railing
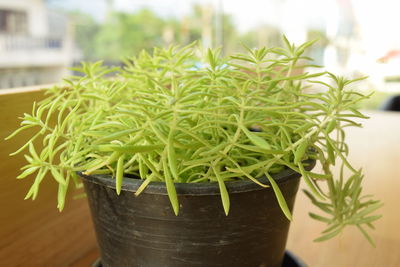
22, 51
17, 43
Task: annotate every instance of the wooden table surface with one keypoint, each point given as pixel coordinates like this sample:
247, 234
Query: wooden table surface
375, 148
34, 233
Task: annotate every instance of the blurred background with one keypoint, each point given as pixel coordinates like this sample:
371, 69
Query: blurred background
41, 39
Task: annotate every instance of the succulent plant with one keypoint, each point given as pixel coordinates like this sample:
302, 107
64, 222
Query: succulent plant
189, 115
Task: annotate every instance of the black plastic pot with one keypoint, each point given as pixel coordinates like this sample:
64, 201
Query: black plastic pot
289, 260
143, 231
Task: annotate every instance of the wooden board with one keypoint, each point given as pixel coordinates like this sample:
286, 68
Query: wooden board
34, 233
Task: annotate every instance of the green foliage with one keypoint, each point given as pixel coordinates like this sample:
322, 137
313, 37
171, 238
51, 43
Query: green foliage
85, 31
123, 34
263, 35
126, 34
183, 115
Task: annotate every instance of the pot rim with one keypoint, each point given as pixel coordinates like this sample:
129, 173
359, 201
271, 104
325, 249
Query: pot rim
159, 188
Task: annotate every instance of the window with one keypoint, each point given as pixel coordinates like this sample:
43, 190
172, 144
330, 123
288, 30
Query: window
13, 22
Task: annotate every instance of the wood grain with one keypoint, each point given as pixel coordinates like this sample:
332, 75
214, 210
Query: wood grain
34, 233
375, 148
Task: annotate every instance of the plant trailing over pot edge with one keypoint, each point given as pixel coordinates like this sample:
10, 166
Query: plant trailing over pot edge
185, 115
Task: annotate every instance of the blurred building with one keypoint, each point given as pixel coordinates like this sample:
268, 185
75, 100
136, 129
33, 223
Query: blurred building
35, 43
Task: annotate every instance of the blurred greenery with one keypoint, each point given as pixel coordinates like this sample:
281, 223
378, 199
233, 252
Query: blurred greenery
123, 34
317, 50
85, 31
264, 35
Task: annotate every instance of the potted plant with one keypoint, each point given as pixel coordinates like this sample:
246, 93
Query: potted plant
193, 159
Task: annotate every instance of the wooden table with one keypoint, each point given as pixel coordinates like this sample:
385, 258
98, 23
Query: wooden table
375, 148
34, 233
